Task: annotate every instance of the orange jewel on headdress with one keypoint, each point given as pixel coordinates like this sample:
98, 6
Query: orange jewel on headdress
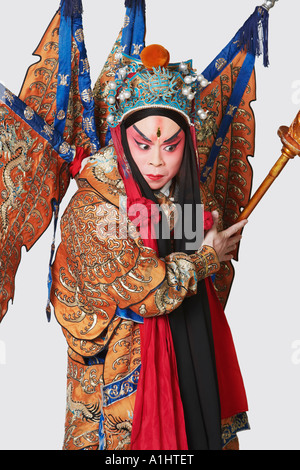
155, 56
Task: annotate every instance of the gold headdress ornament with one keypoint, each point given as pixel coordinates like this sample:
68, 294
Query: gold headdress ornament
154, 82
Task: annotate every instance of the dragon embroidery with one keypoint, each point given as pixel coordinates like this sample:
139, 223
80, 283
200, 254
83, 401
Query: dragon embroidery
15, 151
121, 428
80, 410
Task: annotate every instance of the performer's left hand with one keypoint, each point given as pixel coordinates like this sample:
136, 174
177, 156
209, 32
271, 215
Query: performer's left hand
226, 241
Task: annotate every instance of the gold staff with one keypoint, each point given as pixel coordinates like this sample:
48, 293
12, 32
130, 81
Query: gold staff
290, 137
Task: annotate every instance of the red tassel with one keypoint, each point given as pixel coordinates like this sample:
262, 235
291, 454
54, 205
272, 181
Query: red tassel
208, 220
76, 163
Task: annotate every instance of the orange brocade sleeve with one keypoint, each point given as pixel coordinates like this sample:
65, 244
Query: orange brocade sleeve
93, 274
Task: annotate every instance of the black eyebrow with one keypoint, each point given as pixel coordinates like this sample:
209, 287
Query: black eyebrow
141, 134
172, 138
165, 142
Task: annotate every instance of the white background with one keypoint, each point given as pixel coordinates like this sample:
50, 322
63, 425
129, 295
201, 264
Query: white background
263, 310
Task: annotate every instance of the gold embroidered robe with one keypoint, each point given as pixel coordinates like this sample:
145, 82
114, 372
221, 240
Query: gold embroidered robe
98, 273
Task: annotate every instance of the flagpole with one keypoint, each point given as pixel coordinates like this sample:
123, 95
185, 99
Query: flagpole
268, 4
290, 138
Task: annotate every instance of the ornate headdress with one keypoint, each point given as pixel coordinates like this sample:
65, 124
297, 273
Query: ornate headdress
153, 82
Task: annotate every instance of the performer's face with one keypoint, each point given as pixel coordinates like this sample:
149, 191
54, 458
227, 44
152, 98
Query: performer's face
157, 145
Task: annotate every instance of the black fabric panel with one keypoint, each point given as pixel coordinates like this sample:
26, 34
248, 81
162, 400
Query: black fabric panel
190, 323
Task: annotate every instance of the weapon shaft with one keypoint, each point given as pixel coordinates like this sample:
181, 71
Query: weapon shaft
290, 138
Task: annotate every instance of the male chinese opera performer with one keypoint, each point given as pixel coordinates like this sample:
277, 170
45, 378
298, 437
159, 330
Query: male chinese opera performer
143, 324
151, 362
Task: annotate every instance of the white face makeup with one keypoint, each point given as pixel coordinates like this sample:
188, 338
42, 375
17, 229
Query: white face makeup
156, 144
